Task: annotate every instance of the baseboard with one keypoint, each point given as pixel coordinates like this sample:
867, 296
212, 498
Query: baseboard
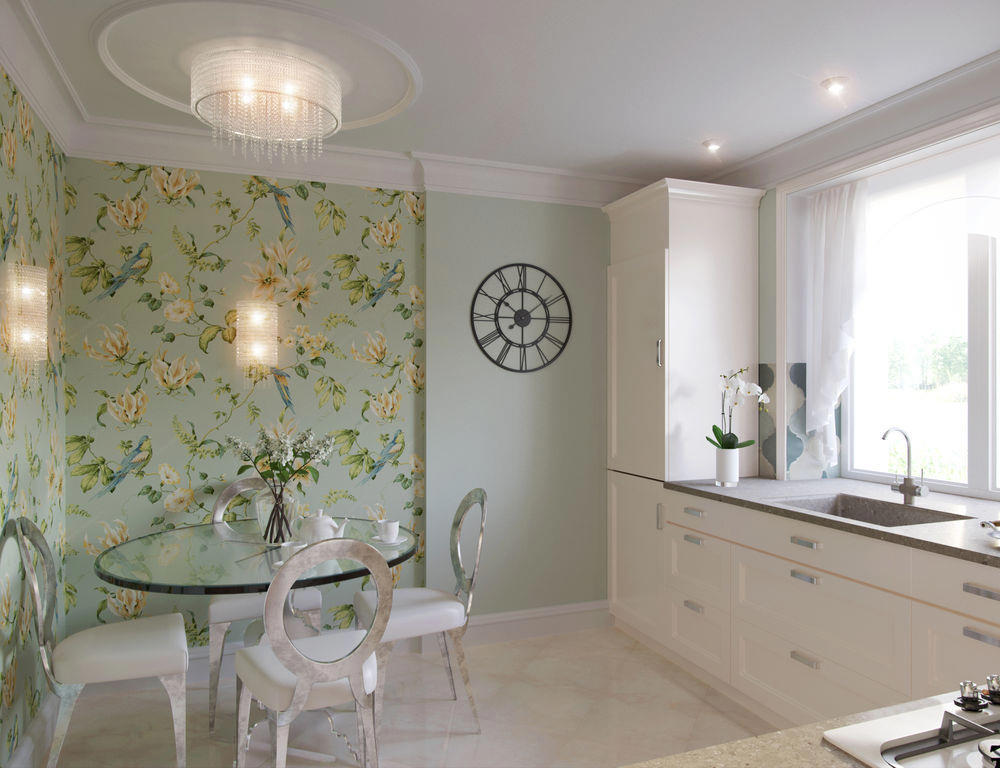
33, 747
533, 622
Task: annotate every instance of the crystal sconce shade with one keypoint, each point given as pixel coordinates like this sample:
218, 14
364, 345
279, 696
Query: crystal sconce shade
27, 312
256, 337
272, 101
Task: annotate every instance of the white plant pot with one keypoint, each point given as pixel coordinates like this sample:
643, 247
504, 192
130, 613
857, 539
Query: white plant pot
727, 467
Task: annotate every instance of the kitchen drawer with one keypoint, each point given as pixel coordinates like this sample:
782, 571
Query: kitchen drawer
799, 683
859, 627
700, 566
948, 649
957, 585
705, 515
699, 632
858, 557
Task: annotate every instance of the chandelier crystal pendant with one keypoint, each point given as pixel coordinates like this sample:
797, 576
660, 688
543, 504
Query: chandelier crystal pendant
273, 102
27, 313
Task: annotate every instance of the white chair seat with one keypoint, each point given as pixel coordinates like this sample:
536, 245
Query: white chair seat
273, 685
149, 647
227, 608
416, 611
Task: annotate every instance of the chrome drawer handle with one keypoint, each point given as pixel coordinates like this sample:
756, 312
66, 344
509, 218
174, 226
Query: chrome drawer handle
659, 353
981, 636
693, 539
807, 543
659, 517
693, 512
801, 576
801, 658
975, 589
691, 605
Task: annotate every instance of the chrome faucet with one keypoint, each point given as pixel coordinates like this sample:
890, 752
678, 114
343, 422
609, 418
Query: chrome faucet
909, 487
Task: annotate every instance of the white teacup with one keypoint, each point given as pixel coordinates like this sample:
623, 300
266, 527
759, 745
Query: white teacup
388, 530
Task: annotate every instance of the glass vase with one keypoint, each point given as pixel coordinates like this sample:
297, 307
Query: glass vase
275, 515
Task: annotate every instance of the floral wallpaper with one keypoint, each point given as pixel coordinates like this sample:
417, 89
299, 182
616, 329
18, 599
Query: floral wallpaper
156, 260
31, 400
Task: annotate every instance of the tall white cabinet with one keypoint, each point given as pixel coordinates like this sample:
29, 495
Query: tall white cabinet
682, 308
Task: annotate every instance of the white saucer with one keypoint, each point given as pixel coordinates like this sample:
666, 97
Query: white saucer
398, 540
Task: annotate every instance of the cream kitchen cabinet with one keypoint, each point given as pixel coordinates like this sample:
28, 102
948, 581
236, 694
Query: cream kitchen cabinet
637, 567
948, 648
667, 340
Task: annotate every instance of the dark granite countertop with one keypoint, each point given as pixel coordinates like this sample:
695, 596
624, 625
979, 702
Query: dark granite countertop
963, 539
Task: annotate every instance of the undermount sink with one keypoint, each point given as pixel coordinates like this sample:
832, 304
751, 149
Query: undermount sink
887, 514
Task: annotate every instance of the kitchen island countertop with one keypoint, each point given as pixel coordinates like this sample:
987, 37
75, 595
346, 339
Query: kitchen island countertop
801, 747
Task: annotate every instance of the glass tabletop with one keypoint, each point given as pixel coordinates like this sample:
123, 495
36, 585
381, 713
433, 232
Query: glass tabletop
229, 558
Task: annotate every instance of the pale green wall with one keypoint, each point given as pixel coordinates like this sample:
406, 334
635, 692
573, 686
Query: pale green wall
535, 441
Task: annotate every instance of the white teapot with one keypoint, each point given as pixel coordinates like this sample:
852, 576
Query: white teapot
318, 527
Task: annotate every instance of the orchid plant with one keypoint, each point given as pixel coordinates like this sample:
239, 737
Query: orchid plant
735, 387
281, 461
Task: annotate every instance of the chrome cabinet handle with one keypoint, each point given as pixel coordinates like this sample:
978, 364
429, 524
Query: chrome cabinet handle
807, 543
659, 353
696, 540
693, 512
975, 589
659, 516
691, 605
981, 637
802, 576
801, 658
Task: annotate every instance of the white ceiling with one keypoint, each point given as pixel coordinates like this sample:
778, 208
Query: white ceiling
628, 87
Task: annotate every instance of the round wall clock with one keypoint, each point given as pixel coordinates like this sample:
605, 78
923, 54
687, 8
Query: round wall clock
521, 317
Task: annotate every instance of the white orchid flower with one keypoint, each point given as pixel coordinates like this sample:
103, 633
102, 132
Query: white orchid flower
763, 399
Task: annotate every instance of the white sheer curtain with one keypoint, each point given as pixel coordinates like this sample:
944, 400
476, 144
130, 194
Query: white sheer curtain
835, 241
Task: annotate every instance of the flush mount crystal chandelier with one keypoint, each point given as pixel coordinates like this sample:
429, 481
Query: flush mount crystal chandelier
273, 102
256, 337
27, 312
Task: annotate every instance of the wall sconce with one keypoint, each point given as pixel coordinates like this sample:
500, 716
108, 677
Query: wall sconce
256, 337
27, 312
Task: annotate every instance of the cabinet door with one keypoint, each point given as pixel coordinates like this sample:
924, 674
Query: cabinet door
637, 361
948, 648
699, 632
637, 544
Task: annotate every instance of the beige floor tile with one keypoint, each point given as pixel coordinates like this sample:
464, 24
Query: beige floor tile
583, 700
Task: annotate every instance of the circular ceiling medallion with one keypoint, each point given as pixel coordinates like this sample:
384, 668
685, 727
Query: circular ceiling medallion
149, 45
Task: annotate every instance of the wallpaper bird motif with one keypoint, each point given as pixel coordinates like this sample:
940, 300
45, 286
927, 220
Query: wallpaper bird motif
156, 260
31, 400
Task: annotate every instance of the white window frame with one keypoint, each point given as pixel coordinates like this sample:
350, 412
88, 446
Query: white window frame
962, 131
982, 389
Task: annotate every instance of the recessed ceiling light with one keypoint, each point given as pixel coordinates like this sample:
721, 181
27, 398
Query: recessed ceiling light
834, 85
711, 145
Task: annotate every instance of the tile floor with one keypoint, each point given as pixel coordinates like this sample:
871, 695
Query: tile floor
589, 699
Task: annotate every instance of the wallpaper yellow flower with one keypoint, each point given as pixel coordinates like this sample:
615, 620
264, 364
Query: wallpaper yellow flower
156, 260
32, 435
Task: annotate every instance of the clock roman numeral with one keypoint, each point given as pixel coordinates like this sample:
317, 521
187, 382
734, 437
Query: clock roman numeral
542, 355
523, 362
481, 316
554, 299
503, 353
522, 277
489, 338
553, 340
558, 319
503, 282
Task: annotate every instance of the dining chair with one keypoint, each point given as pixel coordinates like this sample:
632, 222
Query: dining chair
419, 611
155, 646
317, 672
223, 610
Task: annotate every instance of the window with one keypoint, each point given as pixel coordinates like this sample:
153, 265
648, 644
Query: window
924, 328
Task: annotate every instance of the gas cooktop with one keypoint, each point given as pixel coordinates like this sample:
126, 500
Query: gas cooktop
940, 736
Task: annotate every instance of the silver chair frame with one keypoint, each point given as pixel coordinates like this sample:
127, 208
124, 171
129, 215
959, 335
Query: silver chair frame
27, 532
308, 671
217, 632
465, 585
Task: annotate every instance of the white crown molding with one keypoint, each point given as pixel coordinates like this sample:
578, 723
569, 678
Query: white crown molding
468, 176
681, 189
943, 101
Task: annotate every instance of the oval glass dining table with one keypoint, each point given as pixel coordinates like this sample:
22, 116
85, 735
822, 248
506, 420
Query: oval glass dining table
229, 558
